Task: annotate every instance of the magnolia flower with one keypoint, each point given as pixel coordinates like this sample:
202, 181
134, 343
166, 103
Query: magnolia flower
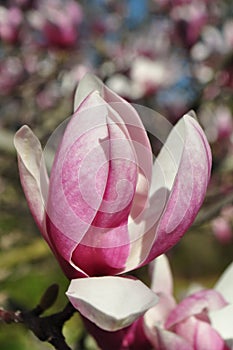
201, 321
11, 74
194, 323
222, 229
106, 208
58, 22
10, 22
190, 18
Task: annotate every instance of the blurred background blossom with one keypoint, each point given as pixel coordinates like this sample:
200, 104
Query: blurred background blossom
169, 55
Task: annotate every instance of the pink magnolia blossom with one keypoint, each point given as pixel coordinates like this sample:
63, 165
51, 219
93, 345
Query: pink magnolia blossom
222, 230
58, 22
106, 208
11, 74
190, 19
187, 325
201, 321
222, 225
10, 21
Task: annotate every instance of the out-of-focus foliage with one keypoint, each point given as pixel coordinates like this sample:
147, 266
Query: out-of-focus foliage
170, 55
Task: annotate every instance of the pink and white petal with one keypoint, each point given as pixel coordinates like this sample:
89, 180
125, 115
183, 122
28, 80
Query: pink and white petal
225, 284
196, 304
177, 196
125, 117
222, 321
206, 338
199, 334
111, 303
161, 275
73, 182
121, 182
34, 179
86, 86
190, 154
33, 174
163, 339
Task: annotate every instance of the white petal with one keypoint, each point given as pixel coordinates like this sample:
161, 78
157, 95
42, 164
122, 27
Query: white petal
162, 280
222, 322
225, 284
33, 173
86, 85
111, 303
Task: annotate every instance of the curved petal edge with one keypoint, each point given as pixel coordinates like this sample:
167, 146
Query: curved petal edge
112, 303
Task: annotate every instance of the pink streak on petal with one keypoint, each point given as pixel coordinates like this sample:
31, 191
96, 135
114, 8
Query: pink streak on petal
102, 261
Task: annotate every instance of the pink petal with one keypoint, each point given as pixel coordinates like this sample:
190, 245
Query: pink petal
185, 163
102, 261
199, 334
111, 303
195, 304
162, 339
206, 338
186, 329
75, 183
33, 174
34, 179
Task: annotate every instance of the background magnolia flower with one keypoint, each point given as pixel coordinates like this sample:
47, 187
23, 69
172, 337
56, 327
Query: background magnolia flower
106, 208
57, 23
10, 21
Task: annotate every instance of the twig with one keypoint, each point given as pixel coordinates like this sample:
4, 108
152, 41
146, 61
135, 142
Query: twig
47, 328
213, 211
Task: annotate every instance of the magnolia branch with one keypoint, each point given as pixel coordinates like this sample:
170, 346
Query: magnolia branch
211, 212
47, 329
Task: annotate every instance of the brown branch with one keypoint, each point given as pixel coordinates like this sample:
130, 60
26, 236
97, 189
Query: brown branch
213, 211
47, 329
